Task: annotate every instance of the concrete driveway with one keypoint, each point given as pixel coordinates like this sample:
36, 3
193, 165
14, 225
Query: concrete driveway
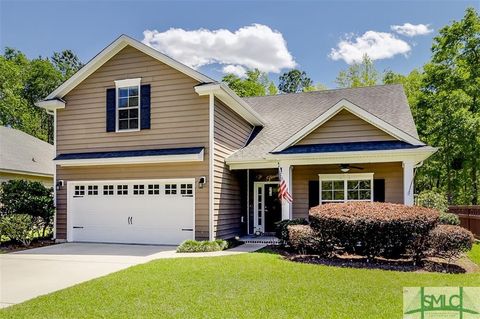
27, 274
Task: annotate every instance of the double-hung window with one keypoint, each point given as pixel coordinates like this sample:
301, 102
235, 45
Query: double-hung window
341, 188
128, 105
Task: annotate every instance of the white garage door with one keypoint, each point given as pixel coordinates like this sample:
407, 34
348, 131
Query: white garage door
142, 212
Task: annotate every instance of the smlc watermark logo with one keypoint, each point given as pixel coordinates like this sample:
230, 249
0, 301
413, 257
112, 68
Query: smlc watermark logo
441, 302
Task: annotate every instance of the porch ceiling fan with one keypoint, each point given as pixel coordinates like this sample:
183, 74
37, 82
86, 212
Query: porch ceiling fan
346, 167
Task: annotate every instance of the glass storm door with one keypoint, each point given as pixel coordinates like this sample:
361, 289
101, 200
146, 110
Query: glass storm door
268, 208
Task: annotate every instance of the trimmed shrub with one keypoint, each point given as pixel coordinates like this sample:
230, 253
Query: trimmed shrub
19, 227
434, 200
194, 246
449, 219
31, 198
374, 229
449, 241
281, 230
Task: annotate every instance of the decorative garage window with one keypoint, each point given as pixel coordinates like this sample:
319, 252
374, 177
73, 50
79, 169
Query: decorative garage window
170, 189
79, 190
128, 104
122, 189
138, 189
186, 189
92, 190
153, 189
340, 188
107, 189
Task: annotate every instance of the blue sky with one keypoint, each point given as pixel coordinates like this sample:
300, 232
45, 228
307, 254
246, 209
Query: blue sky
292, 32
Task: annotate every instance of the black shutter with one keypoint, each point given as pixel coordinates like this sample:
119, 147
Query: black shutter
110, 124
313, 193
145, 106
379, 190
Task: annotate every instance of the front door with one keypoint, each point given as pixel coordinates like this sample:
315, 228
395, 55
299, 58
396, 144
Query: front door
268, 207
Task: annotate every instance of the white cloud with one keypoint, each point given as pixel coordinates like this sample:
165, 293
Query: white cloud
238, 70
411, 30
254, 46
377, 45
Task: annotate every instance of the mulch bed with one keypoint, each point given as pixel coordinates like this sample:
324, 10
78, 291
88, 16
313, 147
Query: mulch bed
462, 265
11, 246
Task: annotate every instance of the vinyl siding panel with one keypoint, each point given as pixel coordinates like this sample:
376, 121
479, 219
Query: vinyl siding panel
132, 172
345, 127
179, 118
231, 132
391, 172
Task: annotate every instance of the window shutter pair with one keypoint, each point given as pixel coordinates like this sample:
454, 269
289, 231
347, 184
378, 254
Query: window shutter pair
144, 108
314, 192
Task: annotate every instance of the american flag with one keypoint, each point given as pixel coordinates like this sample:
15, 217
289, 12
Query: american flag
283, 193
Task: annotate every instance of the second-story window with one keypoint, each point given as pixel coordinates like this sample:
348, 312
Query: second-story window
128, 104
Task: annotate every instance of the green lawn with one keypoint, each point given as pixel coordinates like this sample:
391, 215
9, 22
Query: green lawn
257, 285
474, 254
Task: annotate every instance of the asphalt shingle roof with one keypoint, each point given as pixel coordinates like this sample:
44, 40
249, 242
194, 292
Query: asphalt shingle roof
22, 152
286, 114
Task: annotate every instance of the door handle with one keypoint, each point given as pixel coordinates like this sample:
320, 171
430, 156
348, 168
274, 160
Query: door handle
129, 220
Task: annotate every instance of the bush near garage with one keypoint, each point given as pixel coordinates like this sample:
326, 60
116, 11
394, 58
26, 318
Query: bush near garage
194, 246
21, 197
19, 227
373, 229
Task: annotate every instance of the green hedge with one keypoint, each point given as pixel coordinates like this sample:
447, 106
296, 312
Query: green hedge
373, 229
194, 246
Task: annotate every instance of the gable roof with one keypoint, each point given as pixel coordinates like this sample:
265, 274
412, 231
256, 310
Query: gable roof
206, 85
112, 49
286, 115
23, 153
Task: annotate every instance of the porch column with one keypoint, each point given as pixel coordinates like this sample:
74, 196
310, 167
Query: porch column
287, 176
408, 175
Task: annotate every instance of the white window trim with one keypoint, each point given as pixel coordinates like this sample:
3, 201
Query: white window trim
122, 84
346, 177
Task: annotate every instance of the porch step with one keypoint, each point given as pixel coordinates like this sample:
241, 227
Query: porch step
268, 240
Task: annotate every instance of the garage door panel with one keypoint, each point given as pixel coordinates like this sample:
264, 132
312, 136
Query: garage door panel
162, 216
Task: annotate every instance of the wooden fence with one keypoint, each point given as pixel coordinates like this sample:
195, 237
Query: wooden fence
469, 217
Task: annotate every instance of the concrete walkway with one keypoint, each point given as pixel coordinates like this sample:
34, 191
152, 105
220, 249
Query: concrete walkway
30, 273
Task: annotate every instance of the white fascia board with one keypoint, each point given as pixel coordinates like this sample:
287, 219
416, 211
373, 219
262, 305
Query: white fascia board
270, 161
51, 105
345, 176
133, 160
356, 110
112, 49
232, 100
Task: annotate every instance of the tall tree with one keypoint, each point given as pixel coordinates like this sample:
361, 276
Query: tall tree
66, 62
23, 82
315, 87
294, 81
451, 108
255, 83
358, 74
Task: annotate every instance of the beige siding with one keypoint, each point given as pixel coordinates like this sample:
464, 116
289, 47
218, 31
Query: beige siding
391, 172
231, 134
179, 118
345, 127
131, 172
46, 181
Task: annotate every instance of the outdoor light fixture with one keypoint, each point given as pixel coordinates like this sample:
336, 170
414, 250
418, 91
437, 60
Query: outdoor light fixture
344, 168
202, 181
59, 184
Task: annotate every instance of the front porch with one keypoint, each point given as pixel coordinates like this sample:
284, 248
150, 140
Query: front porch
311, 185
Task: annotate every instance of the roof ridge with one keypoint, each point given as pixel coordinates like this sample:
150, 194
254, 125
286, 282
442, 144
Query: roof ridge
324, 91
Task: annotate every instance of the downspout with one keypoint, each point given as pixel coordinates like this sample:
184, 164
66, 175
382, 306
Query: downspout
211, 158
